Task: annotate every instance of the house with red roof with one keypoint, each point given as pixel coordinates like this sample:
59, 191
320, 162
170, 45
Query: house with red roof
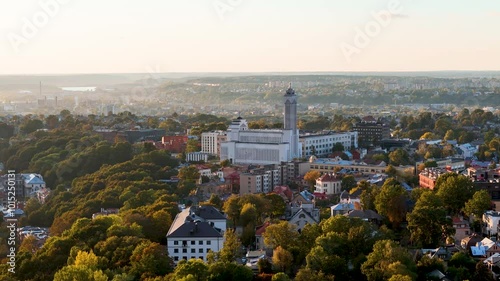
329, 184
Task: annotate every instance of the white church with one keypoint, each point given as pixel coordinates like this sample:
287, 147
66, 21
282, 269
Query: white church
264, 146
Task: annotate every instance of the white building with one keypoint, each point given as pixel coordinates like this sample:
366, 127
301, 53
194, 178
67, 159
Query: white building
322, 144
196, 156
210, 142
490, 222
244, 146
468, 150
194, 232
328, 184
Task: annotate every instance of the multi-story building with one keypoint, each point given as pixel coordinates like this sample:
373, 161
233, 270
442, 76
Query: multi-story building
210, 141
26, 185
261, 180
428, 177
371, 132
194, 232
322, 144
196, 156
174, 144
328, 184
245, 146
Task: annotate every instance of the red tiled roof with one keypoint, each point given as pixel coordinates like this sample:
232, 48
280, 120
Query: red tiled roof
328, 178
262, 228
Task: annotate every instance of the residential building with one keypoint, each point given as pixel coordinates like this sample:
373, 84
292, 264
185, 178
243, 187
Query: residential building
462, 228
328, 183
26, 185
302, 210
323, 143
490, 223
194, 232
371, 132
428, 177
174, 144
261, 180
210, 142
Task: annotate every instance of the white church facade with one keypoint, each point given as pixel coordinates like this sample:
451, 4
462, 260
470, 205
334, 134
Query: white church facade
273, 146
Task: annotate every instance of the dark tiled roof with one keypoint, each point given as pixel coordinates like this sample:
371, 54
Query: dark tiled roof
208, 213
195, 229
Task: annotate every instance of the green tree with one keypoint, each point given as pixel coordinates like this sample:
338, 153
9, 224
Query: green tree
391, 201
280, 276
388, 259
195, 267
348, 182
427, 223
399, 157
222, 271
31, 125
482, 273
278, 205
478, 204
454, 190
338, 147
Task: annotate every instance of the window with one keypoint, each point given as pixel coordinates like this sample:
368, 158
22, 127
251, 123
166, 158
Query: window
184, 243
201, 258
184, 250
176, 258
184, 258
176, 242
200, 251
200, 242
176, 251
209, 242
193, 251
193, 242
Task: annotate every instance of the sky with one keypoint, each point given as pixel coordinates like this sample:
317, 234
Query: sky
125, 36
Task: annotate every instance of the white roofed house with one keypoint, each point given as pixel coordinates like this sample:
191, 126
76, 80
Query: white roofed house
194, 232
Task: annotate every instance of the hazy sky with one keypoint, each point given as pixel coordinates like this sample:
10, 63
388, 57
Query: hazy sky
91, 36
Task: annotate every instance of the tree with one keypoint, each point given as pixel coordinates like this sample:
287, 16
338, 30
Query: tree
388, 259
427, 223
338, 147
248, 214
399, 277
192, 146
232, 247
189, 173
150, 259
195, 267
232, 208
280, 276
482, 273
428, 136
283, 234
215, 201
399, 157
222, 271
278, 205
480, 202
454, 190
311, 177
391, 201
348, 182
31, 125
450, 135
282, 259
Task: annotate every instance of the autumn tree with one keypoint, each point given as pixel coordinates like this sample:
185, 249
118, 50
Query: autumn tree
311, 177
283, 234
391, 201
231, 248
282, 259
348, 182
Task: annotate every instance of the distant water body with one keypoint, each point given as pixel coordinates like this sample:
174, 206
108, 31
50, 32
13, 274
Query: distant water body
79, 89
